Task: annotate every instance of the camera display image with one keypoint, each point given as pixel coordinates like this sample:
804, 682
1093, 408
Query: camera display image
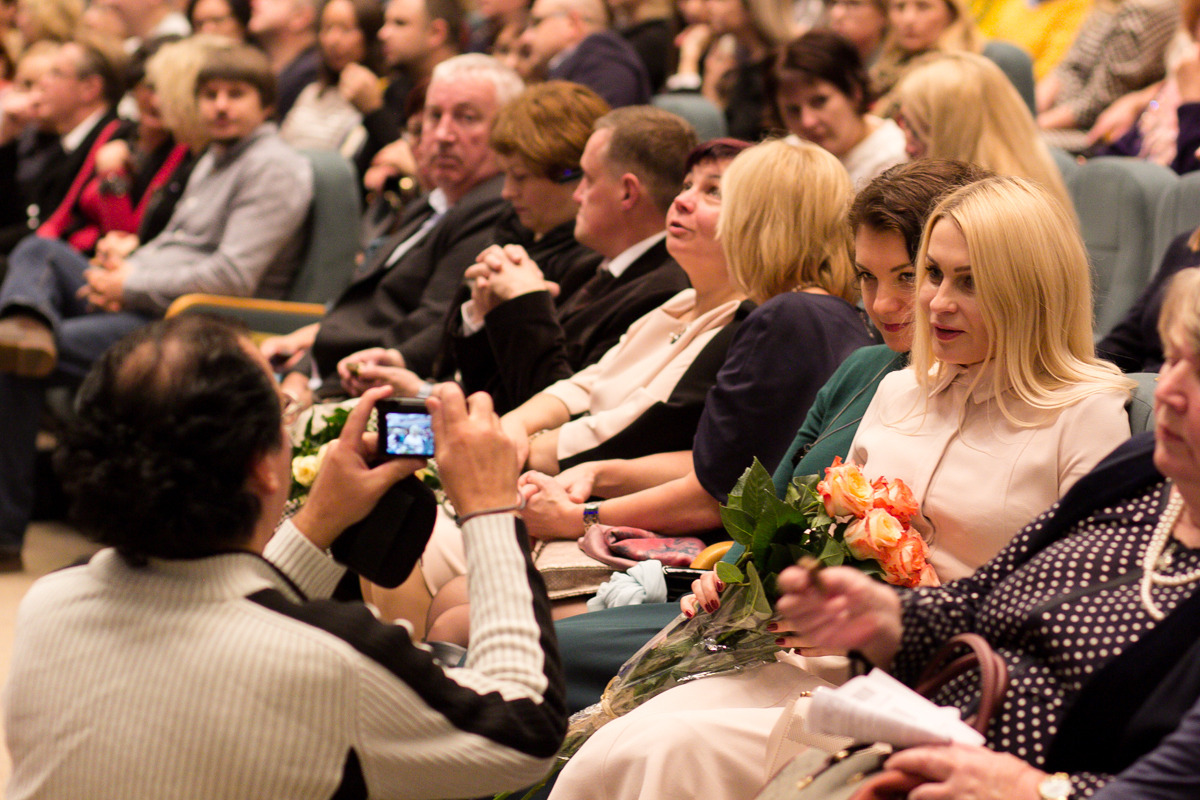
408, 434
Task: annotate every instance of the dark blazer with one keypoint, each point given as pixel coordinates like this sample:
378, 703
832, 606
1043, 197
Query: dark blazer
403, 306
607, 64
561, 259
25, 206
536, 345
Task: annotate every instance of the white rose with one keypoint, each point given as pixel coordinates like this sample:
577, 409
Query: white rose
304, 469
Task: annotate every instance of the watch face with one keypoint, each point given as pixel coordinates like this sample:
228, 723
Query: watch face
1055, 787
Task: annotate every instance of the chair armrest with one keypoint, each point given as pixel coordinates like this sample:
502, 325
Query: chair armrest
710, 555
273, 317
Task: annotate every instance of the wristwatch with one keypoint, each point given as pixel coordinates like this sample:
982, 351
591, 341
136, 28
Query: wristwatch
591, 514
1055, 787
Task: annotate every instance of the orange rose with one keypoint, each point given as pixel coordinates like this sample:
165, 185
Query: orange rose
904, 564
845, 490
874, 536
894, 496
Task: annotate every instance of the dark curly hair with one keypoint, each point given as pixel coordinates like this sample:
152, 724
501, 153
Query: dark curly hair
167, 426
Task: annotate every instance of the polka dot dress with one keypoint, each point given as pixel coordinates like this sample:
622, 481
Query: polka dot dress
1056, 616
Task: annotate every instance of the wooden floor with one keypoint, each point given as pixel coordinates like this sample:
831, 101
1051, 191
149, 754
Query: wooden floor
48, 546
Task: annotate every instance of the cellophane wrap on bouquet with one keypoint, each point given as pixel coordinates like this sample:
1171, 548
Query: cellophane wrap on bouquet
841, 519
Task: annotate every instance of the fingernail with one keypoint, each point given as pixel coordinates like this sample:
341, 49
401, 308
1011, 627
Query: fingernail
689, 614
779, 642
720, 586
772, 627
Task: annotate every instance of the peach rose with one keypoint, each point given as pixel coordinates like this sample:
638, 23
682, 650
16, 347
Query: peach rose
895, 497
904, 564
845, 490
874, 536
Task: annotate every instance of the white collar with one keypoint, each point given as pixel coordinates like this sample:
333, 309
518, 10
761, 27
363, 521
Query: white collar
624, 260
71, 140
438, 202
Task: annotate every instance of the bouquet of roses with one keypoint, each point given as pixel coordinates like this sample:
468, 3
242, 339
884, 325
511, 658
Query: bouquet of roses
841, 519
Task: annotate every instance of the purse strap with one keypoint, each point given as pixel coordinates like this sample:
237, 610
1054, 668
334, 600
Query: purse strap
950, 662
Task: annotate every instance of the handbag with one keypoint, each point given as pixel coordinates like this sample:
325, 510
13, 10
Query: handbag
857, 773
622, 547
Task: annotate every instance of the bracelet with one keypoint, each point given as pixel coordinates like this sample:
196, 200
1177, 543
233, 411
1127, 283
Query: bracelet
591, 514
520, 504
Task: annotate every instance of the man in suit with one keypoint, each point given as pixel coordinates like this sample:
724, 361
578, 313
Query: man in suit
76, 99
570, 40
632, 170
402, 291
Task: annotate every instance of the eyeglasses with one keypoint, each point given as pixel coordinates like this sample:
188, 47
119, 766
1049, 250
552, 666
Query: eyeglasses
291, 408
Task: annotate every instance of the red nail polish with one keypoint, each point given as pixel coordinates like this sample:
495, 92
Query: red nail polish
772, 627
779, 642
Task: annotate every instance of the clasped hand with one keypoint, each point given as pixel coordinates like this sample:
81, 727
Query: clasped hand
378, 366
502, 273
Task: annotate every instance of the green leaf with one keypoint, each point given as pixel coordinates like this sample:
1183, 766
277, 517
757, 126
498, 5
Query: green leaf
729, 574
738, 524
833, 554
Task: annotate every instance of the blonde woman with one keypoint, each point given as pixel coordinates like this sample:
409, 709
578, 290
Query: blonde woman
922, 26
1002, 410
961, 106
785, 237
172, 71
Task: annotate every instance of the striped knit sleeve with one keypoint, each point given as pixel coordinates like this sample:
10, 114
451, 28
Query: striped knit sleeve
313, 571
491, 725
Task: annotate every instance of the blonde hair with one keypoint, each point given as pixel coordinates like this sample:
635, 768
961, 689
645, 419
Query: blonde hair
783, 222
173, 71
1181, 309
55, 20
964, 108
960, 35
1033, 285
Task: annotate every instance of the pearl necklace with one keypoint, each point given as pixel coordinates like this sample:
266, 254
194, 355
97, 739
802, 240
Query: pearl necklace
1154, 553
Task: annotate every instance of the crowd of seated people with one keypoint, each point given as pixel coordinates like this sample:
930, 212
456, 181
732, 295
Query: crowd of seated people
637, 311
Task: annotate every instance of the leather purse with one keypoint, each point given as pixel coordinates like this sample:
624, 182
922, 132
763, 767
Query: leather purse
857, 773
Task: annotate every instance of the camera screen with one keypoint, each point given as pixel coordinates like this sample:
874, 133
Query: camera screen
408, 434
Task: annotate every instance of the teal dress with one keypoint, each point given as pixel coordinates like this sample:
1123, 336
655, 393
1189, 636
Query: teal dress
595, 645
